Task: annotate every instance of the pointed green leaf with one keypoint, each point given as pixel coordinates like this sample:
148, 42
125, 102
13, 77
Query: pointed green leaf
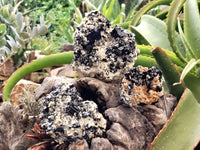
154, 31
189, 52
51, 60
19, 21
2, 30
192, 26
110, 9
140, 39
2, 43
170, 72
176, 5
190, 65
146, 8
182, 130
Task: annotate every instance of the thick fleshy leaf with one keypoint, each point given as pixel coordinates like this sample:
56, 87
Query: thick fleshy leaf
146, 8
140, 39
146, 50
42, 30
190, 65
51, 60
176, 5
170, 72
182, 130
154, 31
2, 42
192, 26
2, 30
189, 54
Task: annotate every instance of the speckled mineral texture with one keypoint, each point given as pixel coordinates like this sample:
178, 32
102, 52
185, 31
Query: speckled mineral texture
67, 117
126, 128
141, 85
103, 51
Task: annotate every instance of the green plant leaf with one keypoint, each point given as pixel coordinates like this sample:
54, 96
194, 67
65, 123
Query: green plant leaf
79, 17
190, 65
189, 52
181, 132
154, 31
2, 30
192, 26
176, 5
145, 61
51, 60
43, 29
108, 9
146, 8
140, 39
146, 51
2, 43
20, 22
170, 72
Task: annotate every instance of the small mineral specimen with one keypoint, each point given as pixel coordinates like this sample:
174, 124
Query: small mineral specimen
103, 51
141, 85
66, 116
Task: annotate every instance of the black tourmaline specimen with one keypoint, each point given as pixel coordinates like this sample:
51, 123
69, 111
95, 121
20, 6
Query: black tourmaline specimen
66, 116
103, 51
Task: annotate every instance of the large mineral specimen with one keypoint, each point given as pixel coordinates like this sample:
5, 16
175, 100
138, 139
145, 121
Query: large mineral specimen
66, 116
103, 51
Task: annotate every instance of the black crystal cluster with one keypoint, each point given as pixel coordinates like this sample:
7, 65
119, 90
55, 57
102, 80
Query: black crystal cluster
103, 51
141, 85
67, 117
138, 78
119, 51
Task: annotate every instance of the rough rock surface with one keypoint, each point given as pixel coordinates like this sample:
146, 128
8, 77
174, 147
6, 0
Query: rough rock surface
103, 51
127, 127
24, 89
13, 128
136, 127
66, 116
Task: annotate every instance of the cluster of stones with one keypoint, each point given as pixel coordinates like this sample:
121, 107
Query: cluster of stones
67, 117
103, 51
141, 85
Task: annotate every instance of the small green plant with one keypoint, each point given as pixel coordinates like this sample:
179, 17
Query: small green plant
18, 32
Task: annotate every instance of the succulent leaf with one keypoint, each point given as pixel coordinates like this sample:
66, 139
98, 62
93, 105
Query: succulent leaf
42, 30
19, 21
182, 130
176, 5
170, 72
146, 8
2, 42
154, 30
140, 39
2, 30
190, 65
189, 52
51, 60
192, 26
